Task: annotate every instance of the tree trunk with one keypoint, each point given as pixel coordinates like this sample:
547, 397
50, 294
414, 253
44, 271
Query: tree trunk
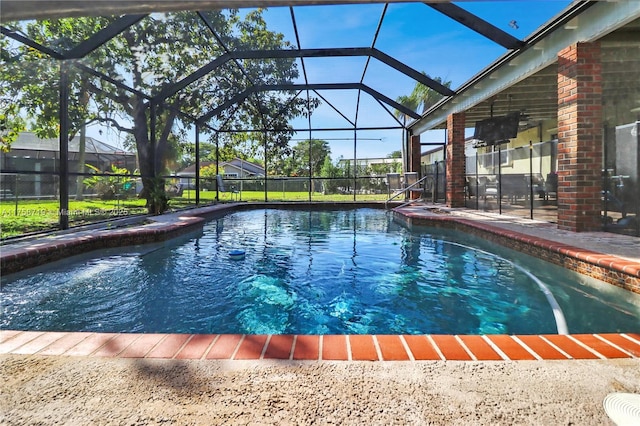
151, 160
81, 160
145, 160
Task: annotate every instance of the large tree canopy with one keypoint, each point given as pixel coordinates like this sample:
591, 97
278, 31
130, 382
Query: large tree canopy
304, 159
148, 57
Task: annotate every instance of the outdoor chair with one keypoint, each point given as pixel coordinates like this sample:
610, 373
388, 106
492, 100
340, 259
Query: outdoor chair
221, 188
393, 183
551, 186
411, 178
490, 184
482, 187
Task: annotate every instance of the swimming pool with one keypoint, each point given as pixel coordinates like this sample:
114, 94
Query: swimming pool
321, 272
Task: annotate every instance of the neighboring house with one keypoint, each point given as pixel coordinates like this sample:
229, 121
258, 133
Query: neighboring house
432, 156
436, 155
236, 168
35, 157
392, 165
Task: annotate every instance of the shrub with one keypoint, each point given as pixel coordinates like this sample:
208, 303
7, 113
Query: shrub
109, 184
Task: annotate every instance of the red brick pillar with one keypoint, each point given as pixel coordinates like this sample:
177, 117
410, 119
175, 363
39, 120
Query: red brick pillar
455, 160
579, 137
415, 157
414, 154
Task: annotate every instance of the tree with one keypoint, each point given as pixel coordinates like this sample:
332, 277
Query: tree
110, 184
409, 101
307, 162
422, 97
30, 77
156, 52
11, 124
10, 121
333, 172
208, 173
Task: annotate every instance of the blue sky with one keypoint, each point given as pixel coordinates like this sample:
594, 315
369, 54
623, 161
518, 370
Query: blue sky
412, 33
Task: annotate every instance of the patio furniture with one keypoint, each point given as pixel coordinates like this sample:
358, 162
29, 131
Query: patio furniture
221, 188
410, 180
394, 183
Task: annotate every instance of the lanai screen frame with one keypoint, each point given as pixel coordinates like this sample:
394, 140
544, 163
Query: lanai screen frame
12, 9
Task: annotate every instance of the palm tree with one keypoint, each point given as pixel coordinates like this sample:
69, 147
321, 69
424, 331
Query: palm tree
422, 97
426, 95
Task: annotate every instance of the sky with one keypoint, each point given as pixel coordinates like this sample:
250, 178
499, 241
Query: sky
412, 33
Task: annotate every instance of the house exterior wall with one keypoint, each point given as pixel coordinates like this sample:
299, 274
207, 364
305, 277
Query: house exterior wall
432, 156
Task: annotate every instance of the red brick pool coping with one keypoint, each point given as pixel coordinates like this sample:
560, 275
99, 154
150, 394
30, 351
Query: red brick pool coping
617, 271
323, 348
611, 269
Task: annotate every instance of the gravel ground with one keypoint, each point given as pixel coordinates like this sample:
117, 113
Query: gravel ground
38, 390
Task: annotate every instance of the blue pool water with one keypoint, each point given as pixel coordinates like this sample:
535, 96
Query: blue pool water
322, 272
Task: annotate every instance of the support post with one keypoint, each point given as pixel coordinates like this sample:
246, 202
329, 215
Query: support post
499, 179
310, 166
414, 154
455, 162
217, 166
154, 119
310, 149
531, 180
266, 167
197, 164
355, 162
580, 137
64, 146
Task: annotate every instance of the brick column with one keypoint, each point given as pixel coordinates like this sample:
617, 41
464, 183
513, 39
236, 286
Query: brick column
414, 154
415, 158
455, 160
579, 137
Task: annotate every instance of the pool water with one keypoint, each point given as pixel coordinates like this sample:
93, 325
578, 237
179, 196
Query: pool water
321, 272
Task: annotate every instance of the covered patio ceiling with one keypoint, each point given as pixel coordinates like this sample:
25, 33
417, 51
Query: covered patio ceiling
536, 97
527, 80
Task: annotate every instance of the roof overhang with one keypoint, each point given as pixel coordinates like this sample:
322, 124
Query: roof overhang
581, 22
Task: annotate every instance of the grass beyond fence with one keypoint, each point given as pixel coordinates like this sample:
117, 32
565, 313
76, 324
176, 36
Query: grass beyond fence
25, 216
280, 196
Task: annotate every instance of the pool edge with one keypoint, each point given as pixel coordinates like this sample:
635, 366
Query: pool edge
375, 348
356, 347
611, 269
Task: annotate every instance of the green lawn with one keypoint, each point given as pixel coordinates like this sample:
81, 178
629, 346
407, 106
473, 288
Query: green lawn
281, 196
40, 215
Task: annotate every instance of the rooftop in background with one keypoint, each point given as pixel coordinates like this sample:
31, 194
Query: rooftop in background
30, 141
246, 168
